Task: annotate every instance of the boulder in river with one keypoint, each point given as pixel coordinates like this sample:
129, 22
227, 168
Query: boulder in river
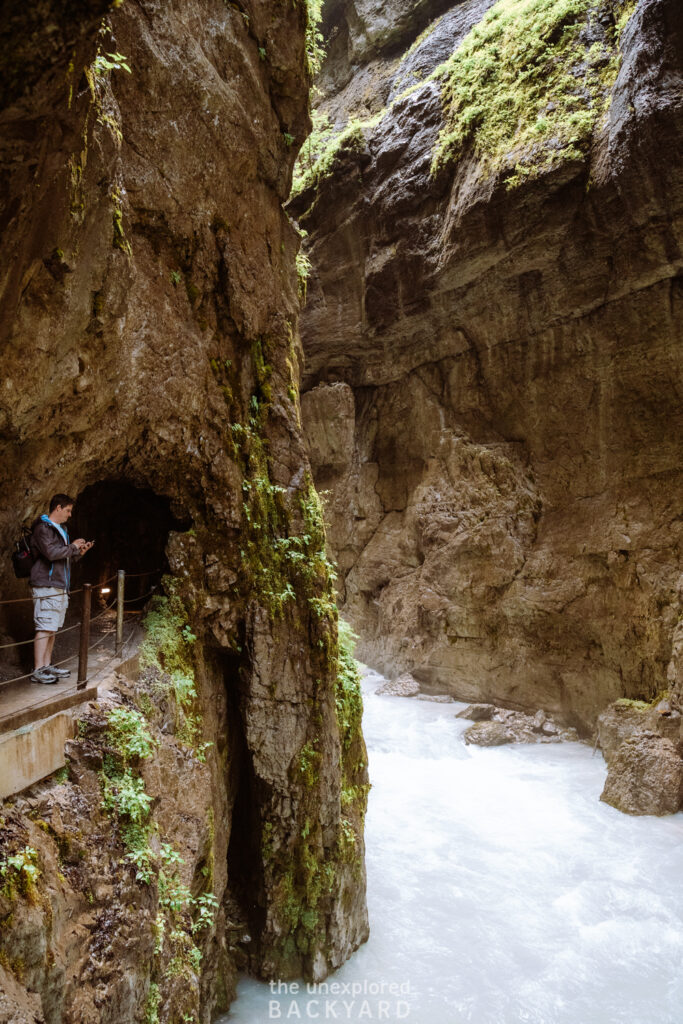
404, 686
518, 727
436, 698
488, 734
626, 719
645, 776
477, 712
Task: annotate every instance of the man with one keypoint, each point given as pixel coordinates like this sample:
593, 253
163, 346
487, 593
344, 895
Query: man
50, 577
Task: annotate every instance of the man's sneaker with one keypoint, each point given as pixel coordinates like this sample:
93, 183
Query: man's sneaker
43, 675
59, 671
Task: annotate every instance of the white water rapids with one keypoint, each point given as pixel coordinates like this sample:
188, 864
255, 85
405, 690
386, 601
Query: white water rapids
500, 889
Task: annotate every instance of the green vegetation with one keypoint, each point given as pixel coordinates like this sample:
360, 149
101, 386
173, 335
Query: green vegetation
525, 89
123, 791
309, 764
303, 270
19, 873
181, 917
642, 705
97, 76
349, 710
347, 840
299, 887
106, 62
322, 148
129, 734
152, 1005
168, 641
167, 647
314, 39
120, 240
278, 563
124, 794
349, 700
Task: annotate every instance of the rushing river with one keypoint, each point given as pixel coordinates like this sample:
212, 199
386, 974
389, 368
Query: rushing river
500, 890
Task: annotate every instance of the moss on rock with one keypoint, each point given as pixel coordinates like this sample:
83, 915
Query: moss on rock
530, 83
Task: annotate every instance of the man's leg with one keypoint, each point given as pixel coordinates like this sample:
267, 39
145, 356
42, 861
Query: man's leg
42, 648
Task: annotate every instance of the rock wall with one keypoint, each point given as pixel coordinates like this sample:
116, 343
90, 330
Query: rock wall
493, 365
149, 338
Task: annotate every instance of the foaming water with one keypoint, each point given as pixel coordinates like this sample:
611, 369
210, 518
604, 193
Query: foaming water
500, 889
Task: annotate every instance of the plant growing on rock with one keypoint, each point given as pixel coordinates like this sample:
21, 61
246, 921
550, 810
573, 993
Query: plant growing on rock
19, 872
314, 39
125, 794
167, 648
323, 147
128, 733
181, 916
303, 270
105, 62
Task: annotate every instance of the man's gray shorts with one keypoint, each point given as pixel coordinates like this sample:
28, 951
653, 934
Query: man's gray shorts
49, 608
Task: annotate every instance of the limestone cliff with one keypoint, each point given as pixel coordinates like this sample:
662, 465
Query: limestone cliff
494, 201
150, 354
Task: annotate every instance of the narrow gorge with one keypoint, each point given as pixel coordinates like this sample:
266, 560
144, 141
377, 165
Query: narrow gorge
348, 325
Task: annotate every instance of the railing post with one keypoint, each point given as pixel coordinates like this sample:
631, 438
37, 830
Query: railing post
121, 582
85, 638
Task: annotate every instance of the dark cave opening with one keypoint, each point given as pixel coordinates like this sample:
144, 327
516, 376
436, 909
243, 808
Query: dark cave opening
130, 527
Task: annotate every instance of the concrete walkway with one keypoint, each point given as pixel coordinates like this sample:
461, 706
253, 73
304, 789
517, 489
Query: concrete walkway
36, 720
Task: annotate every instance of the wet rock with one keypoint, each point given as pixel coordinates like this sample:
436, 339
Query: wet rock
404, 686
569, 735
488, 734
519, 727
436, 698
645, 776
477, 712
626, 719
17, 1006
490, 498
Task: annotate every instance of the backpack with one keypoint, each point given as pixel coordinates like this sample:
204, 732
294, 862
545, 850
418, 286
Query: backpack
22, 559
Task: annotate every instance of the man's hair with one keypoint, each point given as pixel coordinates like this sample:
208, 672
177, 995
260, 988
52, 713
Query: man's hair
60, 499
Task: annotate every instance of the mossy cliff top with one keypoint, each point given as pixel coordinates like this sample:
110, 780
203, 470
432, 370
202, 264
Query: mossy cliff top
523, 91
530, 83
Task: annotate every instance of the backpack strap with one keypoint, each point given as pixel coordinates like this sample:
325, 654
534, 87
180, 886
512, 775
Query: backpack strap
65, 537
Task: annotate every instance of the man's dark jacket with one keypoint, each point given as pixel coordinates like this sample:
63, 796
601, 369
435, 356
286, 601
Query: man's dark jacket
52, 557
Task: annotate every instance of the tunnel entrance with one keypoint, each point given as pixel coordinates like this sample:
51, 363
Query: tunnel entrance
130, 527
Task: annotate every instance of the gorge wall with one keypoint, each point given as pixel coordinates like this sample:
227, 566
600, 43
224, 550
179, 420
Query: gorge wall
493, 342
149, 344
